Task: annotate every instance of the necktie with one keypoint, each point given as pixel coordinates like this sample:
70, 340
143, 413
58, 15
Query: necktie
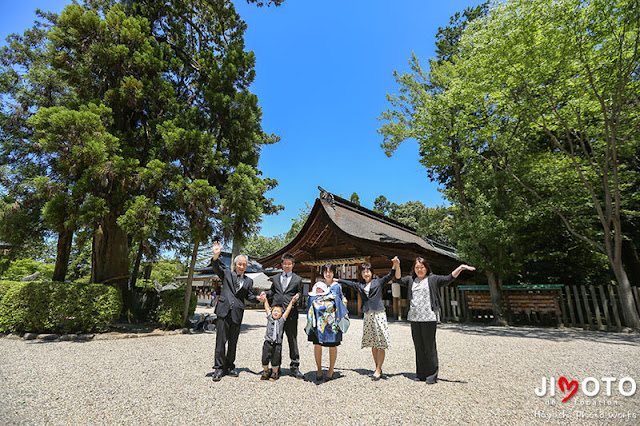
239, 283
275, 331
284, 282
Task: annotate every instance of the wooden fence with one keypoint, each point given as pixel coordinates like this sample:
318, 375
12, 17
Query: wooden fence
594, 307
589, 307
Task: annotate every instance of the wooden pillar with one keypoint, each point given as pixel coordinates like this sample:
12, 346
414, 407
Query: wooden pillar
570, 305
396, 294
464, 311
313, 277
396, 312
562, 318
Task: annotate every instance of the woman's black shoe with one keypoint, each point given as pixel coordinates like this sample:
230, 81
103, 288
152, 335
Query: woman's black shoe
217, 375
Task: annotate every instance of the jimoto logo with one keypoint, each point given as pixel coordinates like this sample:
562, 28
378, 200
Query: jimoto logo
590, 386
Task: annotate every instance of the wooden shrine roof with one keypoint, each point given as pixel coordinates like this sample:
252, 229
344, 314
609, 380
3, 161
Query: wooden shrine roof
339, 229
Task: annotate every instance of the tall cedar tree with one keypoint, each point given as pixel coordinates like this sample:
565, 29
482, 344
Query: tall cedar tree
151, 121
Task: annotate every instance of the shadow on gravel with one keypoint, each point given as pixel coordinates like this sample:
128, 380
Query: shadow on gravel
412, 376
311, 377
248, 327
239, 370
361, 371
40, 342
555, 335
452, 381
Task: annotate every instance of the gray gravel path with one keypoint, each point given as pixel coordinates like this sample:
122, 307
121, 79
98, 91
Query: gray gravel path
487, 376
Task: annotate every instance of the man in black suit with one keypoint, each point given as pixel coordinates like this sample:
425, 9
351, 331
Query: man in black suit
284, 287
236, 287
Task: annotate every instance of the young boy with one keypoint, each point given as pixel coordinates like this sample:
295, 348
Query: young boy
272, 348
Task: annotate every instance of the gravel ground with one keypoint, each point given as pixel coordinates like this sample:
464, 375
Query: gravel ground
488, 375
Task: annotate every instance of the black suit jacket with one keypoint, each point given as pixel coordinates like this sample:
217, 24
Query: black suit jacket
372, 301
230, 300
283, 296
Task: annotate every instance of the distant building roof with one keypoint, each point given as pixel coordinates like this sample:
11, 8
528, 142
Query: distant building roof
225, 257
206, 273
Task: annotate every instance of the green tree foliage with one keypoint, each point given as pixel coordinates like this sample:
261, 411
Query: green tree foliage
355, 198
165, 271
22, 267
23, 191
80, 258
431, 223
259, 246
381, 205
261, 3
428, 110
139, 127
534, 114
557, 83
298, 223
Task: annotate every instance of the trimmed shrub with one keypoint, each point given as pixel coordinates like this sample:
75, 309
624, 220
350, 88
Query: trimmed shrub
54, 307
4, 287
169, 313
23, 267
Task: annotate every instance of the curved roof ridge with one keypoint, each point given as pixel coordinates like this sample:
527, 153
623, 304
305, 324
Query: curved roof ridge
374, 214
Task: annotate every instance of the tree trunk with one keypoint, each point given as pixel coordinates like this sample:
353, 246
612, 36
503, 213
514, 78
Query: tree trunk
136, 267
629, 310
631, 262
147, 271
495, 290
110, 257
238, 243
63, 252
187, 293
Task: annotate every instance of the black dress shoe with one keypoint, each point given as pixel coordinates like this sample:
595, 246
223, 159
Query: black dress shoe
296, 373
233, 373
217, 375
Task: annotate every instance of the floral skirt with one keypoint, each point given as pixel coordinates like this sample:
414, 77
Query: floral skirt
375, 333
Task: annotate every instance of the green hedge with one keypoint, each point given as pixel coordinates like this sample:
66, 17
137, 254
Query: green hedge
169, 313
54, 307
20, 267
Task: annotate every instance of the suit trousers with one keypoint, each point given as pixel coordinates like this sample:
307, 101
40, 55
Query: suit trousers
291, 330
271, 352
227, 333
424, 342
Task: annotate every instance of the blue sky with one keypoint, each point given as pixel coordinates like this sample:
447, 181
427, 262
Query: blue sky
323, 69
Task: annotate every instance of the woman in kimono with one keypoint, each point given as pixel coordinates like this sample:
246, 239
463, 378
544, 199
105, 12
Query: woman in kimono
375, 333
327, 319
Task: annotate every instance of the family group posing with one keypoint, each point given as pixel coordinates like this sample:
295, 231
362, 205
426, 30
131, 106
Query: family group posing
327, 316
